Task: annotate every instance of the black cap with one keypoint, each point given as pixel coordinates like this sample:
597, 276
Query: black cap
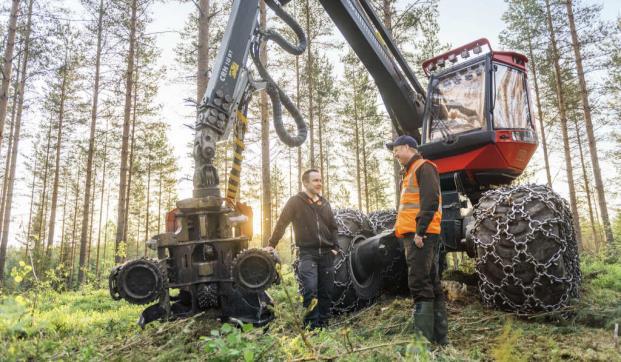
402, 140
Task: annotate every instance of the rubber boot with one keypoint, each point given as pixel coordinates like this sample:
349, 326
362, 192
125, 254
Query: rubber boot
423, 319
440, 323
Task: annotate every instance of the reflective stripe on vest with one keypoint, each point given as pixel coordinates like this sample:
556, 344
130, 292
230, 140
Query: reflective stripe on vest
409, 204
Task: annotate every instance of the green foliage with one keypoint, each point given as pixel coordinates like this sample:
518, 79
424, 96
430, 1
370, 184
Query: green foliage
19, 273
230, 343
41, 324
607, 275
45, 324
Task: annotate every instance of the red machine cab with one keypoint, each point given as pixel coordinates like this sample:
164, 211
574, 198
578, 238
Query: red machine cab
477, 120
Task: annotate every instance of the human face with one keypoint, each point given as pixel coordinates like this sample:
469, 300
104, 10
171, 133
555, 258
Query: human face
313, 186
403, 153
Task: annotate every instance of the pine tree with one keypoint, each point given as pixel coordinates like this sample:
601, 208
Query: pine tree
91, 143
563, 120
7, 203
8, 64
266, 186
586, 107
129, 79
525, 29
60, 97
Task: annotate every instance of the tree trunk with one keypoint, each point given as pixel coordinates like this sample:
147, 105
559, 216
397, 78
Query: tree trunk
587, 188
138, 232
146, 224
91, 146
563, 115
159, 204
89, 242
299, 149
74, 227
309, 79
59, 141
600, 231
8, 63
599, 183
396, 168
266, 182
9, 194
297, 104
7, 166
32, 190
101, 199
129, 75
131, 152
322, 170
105, 243
43, 206
357, 140
203, 49
365, 172
8, 203
533, 67
62, 227
327, 177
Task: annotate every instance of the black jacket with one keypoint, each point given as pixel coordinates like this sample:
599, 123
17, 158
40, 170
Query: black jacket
313, 223
429, 186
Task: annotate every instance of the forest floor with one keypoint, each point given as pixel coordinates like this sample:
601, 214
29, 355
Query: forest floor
88, 325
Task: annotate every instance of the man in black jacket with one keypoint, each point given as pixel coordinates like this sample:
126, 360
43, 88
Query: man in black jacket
316, 238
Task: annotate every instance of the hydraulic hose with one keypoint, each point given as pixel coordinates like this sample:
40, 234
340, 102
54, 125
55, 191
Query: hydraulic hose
277, 96
272, 34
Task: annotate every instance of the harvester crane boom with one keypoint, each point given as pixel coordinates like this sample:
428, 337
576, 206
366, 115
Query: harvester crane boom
403, 95
231, 84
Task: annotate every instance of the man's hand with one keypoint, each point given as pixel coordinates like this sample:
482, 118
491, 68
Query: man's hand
418, 240
269, 249
334, 252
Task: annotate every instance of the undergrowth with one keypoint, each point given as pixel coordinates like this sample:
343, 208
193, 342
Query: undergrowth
41, 324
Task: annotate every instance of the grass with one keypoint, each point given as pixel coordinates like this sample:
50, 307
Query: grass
88, 325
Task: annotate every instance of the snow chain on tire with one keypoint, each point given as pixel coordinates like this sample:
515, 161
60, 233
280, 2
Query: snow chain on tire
351, 223
527, 255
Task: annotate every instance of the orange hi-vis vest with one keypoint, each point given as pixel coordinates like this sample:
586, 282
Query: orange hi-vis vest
409, 204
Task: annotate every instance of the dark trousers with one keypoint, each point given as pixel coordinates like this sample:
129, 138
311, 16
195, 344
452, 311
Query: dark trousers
423, 273
315, 273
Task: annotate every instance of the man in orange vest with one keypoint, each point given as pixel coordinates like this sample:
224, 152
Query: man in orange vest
418, 225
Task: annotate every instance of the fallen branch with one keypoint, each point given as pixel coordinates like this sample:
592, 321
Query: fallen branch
357, 350
351, 317
140, 338
479, 321
553, 312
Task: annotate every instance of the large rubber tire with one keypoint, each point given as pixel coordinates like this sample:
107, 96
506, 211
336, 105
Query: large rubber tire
138, 281
344, 297
395, 276
527, 255
351, 223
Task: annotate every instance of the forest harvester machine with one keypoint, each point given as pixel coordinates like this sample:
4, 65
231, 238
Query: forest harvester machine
474, 122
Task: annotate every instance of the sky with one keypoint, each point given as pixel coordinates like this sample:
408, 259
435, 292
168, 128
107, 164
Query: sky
460, 22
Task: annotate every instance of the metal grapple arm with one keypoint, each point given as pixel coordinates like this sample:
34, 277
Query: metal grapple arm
230, 87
